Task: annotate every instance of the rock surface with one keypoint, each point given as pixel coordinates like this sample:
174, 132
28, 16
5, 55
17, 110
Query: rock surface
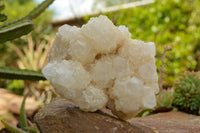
62, 116
171, 122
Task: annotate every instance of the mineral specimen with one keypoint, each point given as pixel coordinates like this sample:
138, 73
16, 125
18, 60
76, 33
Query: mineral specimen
99, 65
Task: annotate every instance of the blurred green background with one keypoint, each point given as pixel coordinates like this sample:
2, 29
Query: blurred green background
27, 52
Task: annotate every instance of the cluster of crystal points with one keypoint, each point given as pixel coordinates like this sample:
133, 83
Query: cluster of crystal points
99, 65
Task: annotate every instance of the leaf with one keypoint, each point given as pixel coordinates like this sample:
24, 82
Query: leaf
13, 73
11, 128
32, 129
15, 30
23, 118
140, 114
22, 26
3, 17
39, 9
11, 22
2, 6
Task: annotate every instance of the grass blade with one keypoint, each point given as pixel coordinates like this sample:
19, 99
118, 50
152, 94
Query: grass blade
13, 73
39, 9
11, 128
140, 114
23, 118
15, 30
32, 129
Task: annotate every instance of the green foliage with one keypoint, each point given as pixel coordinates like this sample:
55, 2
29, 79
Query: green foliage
187, 93
42, 29
3, 17
165, 98
21, 26
16, 86
25, 128
22, 2
23, 118
11, 128
33, 56
25, 7
15, 29
39, 9
145, 112
174, 23
14, 73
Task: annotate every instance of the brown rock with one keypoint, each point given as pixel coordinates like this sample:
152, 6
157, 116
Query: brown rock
171, 122
62, 116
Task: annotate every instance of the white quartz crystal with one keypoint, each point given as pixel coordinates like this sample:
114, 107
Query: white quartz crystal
99, 63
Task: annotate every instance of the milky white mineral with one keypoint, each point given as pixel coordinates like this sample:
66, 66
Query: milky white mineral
99, 65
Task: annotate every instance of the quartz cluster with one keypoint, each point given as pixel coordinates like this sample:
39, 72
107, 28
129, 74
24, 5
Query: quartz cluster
99, 65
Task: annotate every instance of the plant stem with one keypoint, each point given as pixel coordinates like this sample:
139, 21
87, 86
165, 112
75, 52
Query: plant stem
167, 48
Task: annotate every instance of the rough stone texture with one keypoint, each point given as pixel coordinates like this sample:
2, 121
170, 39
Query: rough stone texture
171, 122
61, 116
